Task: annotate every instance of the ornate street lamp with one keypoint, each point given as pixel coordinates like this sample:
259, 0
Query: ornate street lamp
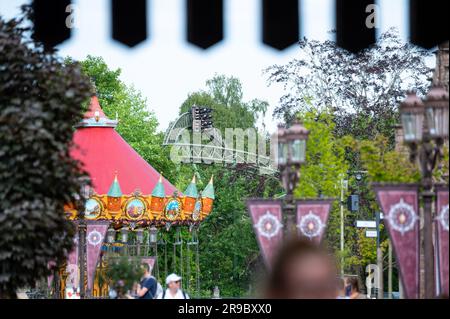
425, 126
291, 155
124, 233
153, 232
436, 110
140, 235
412, 112
111, 235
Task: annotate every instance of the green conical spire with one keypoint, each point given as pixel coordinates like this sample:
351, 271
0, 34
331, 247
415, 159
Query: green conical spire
191, 190
114, 190
159, 191
208, 192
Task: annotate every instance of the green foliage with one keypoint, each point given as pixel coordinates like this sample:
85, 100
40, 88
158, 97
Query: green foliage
122, 274
40, 100
325, 161
229, 254
385, 165
224, 95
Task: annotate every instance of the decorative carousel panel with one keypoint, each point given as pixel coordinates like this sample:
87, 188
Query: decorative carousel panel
173, 208
93, 209
207, 204
135, 208
70, 212
196, 214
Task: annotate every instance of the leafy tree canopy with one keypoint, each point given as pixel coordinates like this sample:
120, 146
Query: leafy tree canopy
362, 90
40, 100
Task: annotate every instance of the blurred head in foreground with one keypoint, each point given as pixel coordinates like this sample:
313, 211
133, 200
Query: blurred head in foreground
302, 270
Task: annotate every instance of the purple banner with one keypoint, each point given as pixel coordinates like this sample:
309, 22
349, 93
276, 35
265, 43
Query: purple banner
73, 276
267, 222
312, 218
399, 204
442, 238
95, 235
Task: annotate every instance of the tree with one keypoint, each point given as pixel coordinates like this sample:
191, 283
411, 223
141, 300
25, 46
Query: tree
225, 96
229, 254
40, 99
362, 90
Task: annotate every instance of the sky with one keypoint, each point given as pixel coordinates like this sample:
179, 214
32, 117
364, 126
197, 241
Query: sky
165, 68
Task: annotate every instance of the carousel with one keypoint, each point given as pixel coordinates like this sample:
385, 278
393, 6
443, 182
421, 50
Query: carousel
131, 211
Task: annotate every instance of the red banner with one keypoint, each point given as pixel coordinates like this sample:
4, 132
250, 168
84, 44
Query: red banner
267, 222
442, 238
312, 218
95, 235
399, 203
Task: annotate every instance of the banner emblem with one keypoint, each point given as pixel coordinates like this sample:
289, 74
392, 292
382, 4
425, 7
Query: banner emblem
311, 225
402, 217
268, 225
443, 217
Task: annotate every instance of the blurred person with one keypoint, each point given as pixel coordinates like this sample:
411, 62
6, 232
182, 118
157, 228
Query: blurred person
173, 291
353, 288
341, 291
303, 270
148, 285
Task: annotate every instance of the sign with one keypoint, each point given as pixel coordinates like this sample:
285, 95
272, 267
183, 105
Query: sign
366, 224
371, 233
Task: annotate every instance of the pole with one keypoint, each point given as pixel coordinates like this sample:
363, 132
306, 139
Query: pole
82, 255
379, 260
56, 285
390, 270
428, 244
342, 227
289, 181
400, 288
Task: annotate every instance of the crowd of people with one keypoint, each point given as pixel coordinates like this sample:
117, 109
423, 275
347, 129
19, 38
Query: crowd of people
302, 270
150, 288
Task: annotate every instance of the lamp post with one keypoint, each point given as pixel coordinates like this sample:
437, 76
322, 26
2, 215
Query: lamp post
425, 125
82, 253
124, 233
153, 233
291, 155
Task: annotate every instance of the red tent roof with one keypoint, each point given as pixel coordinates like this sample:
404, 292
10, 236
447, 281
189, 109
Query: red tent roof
94, 107
103, 153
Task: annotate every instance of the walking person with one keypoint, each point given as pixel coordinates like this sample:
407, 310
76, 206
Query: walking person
352, 287
302, 270
148, 285
173, 291
341, 289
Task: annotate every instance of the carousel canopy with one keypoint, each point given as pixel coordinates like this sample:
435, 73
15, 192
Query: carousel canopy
104, 153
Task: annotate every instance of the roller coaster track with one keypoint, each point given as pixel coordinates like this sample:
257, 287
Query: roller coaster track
216, 151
